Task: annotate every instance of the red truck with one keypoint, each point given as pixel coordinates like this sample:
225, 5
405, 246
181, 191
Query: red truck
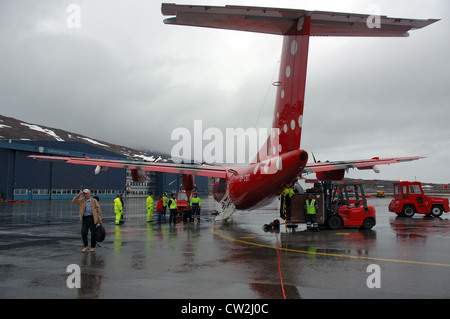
410, 199
182, 202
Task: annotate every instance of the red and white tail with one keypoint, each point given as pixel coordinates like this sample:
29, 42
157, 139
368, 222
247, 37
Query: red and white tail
296, 26
288, 113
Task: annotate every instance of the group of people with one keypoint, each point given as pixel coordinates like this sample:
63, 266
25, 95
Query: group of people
90, 212
165, 202
161, 206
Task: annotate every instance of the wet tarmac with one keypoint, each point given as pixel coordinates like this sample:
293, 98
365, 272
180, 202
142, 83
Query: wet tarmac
399, 258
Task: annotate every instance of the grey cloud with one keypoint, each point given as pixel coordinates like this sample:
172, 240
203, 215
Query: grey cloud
127, 78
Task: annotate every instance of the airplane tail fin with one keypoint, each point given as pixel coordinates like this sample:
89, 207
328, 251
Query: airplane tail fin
296, 26
288, 113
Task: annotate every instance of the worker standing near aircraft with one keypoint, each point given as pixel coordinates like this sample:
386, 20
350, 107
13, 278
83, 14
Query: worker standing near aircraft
159, 209
173, 209
286, 195
196, 204
150, 208
118, 209
311, 211
165, 203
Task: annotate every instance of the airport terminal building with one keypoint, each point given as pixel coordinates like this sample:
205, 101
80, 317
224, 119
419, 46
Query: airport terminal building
23, 178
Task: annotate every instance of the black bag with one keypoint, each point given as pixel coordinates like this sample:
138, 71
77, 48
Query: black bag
100, 233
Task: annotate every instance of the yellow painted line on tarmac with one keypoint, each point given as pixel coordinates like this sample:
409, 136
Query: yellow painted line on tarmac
213, 229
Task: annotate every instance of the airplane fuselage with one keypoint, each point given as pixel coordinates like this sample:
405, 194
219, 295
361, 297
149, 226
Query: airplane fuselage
257, 184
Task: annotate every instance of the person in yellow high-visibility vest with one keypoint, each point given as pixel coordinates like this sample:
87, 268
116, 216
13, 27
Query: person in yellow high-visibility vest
196, 204
165, 203
173, 209
286, 195
311, 211
118, 209
150, 208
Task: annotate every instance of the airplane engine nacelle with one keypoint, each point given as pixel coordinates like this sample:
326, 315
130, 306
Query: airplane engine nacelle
337, 175
138, 175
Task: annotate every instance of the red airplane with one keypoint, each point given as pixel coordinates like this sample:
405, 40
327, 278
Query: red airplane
280, 160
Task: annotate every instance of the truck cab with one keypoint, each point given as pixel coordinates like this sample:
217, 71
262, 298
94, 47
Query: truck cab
182, 202
410, 199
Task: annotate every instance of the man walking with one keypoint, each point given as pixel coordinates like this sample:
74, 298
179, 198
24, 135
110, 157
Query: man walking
90, 214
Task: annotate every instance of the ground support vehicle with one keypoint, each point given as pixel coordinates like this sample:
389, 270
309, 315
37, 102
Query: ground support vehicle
336, 207
182, 205
184, 209
380, 194
410, 199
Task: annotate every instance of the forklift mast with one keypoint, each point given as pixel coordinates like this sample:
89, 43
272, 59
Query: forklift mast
337, 196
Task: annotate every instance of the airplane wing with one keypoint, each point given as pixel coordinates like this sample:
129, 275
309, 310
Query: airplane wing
321, 167
190, 169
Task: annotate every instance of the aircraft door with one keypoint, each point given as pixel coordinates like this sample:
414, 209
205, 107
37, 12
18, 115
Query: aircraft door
416, 195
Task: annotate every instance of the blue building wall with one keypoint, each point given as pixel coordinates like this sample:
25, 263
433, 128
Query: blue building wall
171, 182
24, 178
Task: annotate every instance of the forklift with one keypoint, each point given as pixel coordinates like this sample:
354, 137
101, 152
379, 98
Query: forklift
339, 205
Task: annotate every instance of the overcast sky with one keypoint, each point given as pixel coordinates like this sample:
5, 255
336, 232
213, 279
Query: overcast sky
126, 78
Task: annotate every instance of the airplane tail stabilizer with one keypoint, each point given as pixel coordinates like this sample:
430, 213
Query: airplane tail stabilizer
296, 26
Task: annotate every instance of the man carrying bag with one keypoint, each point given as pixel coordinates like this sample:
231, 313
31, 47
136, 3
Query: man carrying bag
90, 214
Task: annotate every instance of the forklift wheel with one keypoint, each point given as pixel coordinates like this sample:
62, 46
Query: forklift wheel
334, 222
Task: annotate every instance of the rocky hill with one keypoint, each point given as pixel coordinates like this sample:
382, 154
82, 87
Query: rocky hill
13, 129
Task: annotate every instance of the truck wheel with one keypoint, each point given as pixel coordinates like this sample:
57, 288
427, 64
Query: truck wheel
334, 222
368, 223
408, 211
436, 211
